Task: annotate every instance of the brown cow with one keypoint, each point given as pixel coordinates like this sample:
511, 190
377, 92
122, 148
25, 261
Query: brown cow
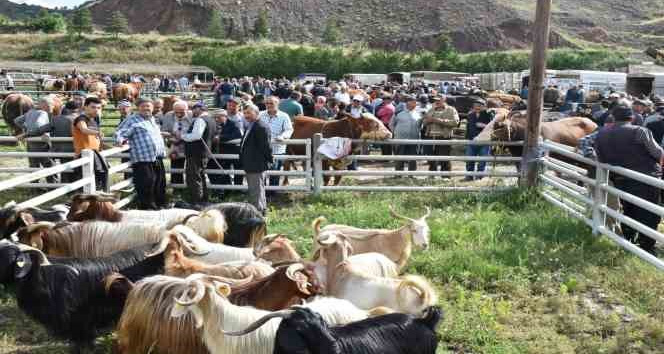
129, 92
74, 84
98, 89
367, 127
15, 105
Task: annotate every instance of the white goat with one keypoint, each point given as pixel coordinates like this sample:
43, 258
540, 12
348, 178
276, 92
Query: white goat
408, 294
207, 302
395, 244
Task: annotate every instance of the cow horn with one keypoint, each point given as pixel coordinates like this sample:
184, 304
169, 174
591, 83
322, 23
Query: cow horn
256, 325
199, 293
398, 216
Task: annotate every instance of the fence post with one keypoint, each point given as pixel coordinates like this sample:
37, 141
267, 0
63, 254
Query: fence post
307, 166
317, 163
600, 197
89, 171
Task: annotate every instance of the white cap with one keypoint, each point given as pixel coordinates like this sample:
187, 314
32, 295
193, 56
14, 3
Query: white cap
358, 98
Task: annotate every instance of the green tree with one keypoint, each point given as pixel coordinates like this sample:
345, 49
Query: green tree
215, 28
447, 55
48, 22
118, 24
332, 32
80, 22
261, 28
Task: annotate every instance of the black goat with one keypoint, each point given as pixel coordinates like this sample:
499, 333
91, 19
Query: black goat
303, 331
13, 218
69, 297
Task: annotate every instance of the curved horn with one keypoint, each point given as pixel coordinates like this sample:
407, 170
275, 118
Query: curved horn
428, 213
329, 239
256, 325
292, 269
398, 216
316, 225
38, 226
199, 293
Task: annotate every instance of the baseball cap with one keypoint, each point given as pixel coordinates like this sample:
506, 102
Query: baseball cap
200, 105
358, 98
124, 103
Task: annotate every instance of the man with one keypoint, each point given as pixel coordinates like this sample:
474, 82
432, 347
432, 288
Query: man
183, 82
36, 123
407, 125
176, 123
423, 105
147, 151
61, 127
158, 106
234, 112
124, 108
321, 111
632, 147
196, 152
478, 119
87, 135
256, 156
228, 129
639, 107
79, 97
292, 106
356, 109
9, 82
225, 91
439, 124
281, 129
655, 123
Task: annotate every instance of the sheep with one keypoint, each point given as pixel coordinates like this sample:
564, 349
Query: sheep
303, 331
207, 303
179, 265
395, 244
68, 296
408, 294
100, 207
13, 217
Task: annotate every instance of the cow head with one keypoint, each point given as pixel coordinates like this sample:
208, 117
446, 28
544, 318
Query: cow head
372, 128
510, 127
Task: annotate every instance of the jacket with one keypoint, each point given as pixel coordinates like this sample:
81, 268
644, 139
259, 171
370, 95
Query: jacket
255, 151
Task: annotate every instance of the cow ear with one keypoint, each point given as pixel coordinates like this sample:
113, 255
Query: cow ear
26, 218
23, 265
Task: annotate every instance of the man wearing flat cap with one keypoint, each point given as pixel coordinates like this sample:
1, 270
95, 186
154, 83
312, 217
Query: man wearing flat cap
633, 147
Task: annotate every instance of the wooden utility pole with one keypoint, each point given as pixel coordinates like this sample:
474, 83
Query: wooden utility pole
536, 90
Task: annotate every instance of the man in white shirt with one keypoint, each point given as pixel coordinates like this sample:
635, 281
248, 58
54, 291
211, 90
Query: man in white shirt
281, 129
195, 148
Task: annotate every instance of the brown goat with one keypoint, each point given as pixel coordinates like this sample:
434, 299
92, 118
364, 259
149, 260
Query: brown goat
177, 264
276, 249
93, 207
287, 286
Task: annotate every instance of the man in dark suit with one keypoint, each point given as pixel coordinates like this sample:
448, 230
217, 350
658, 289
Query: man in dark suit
256, 156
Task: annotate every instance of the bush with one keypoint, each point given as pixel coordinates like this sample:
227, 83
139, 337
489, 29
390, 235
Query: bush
48, 22
44, 54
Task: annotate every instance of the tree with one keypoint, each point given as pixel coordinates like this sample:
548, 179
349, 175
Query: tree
118, 24
447, 53
332, 33
80, 22
216, 26
48, 22
261, 29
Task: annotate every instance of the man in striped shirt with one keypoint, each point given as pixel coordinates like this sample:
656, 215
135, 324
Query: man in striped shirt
142, 133
281, 129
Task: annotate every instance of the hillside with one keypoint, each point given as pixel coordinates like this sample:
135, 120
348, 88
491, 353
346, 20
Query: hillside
16, 11
477, 25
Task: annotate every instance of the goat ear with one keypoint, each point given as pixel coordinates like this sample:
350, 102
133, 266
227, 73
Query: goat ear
27, 218
23, 266
303, 284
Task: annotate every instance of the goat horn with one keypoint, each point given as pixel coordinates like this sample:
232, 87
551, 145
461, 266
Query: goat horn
398, 216
38, 226
316, 225
427, 214
256, 325
327, 240
199, 293
292, 269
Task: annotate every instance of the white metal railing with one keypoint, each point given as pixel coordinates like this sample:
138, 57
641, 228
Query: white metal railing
592, 202
320, 174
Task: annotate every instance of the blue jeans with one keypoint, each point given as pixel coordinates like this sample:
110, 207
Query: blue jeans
476, 150
276, 166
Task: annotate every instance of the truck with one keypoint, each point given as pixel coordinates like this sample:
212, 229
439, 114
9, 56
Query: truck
500, 81
436, 77
601, 81
645, 84
367, 79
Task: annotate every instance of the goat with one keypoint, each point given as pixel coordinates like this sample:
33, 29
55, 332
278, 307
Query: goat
303, 331
395, 244
408, 294
246, 225
276, 249
9, 252
100, 207
179, 265
13, 218
208, 305
287, 286
68, 297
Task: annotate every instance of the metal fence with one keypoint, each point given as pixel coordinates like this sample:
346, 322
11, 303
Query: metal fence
593, 199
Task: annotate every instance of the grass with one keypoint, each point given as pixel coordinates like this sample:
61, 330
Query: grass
514, 275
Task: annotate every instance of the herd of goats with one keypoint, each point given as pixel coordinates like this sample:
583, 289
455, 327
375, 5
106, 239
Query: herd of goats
214, 281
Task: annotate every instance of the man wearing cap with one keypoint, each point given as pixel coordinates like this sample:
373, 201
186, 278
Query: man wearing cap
639, 108
158, 104
196, 152
256, 156
62, 128
292, 105
478, 119
174, 125
655, 122
142, 133
632, 147
439, 124
356, 109
281, 129
407, 125
228, 130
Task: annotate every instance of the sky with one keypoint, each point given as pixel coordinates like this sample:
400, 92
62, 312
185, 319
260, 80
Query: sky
51, 3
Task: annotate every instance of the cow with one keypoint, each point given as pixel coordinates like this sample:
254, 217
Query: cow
53, 85
129, 92
15, 105
366, 127
98, 89
168, 103
74, 84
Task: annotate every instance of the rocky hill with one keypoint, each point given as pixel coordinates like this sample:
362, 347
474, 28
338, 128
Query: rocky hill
16, 11
475, 25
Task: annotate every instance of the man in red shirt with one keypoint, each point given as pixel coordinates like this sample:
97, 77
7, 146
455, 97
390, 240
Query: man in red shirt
385, 112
